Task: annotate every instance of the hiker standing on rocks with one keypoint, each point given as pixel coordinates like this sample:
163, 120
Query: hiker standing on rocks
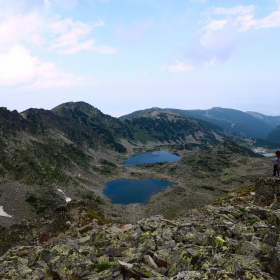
276, 163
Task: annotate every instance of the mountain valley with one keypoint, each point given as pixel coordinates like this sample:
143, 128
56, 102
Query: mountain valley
73, 150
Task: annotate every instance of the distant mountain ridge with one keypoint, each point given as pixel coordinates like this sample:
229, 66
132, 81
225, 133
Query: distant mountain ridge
248, 124
273, 121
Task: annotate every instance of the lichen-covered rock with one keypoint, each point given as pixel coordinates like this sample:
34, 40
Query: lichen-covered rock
266, 189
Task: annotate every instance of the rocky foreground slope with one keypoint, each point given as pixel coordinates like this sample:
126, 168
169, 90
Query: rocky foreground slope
237, 237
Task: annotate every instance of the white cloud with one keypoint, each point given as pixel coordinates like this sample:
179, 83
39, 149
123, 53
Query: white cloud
16, 66
240, 10
69, 36
143, 72
198, 1
215, 43
248, 22
179, 67
211, 62
209, 47
19, 69
45, 30
105, 50
67, 4
135, 33
99, 23
14, 29
217, 24
245, 17
76, 47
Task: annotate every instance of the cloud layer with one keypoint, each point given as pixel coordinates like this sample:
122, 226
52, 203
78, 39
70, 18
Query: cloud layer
215, 43
19, 69
26, 33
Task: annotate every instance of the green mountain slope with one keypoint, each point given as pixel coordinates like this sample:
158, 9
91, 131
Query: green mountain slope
274, 136
232, 120
229, 119
139, 112
88, 125
38, 144
164, 126
45, 151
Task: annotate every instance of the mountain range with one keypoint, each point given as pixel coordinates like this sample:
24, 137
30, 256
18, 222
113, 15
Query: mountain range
39, 145
248, 124
52, 161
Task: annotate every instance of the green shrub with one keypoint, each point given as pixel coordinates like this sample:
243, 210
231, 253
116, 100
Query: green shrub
31, 199
106, 265
86, 229
100, 220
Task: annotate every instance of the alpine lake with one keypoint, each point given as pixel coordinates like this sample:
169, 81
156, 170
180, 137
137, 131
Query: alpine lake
124, 191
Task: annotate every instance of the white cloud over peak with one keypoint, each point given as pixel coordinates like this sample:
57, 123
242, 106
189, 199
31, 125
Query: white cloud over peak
19, 69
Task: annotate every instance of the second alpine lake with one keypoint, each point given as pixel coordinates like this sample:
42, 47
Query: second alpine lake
123, 191
161, 156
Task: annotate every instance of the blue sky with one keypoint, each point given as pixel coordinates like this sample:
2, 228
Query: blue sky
126, 55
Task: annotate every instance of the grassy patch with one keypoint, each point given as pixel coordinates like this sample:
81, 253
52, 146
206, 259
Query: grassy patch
106, 265
100, 220
85, 229
243, 191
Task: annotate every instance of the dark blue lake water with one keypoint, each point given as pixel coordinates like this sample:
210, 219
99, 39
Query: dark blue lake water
161, 156
125, 191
